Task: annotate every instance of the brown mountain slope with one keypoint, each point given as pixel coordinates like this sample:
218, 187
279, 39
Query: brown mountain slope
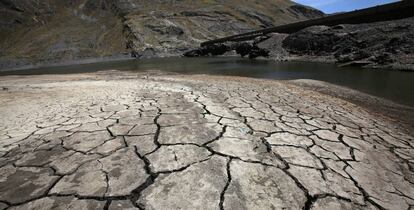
45, 31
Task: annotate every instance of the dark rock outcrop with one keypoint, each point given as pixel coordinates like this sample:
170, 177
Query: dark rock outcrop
273, 44
376, 45
243, 49
250, 49
211, 50
382, 44
258, 52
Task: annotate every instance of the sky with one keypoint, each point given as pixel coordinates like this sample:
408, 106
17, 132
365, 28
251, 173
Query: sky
332, 6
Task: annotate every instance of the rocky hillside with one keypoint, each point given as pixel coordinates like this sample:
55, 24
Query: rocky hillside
47, 31
388, 44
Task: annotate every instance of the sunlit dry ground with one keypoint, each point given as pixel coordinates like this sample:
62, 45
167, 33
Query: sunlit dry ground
117, 141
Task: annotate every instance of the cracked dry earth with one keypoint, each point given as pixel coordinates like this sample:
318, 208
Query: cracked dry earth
126, 141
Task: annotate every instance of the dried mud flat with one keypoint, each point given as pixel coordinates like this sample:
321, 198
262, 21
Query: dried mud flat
116, 140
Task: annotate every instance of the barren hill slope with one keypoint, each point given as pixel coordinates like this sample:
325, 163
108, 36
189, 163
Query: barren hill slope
47, 31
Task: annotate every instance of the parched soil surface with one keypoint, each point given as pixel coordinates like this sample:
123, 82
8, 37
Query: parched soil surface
114, 140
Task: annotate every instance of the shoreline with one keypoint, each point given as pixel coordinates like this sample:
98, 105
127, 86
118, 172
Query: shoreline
114, 60
133, 65
330, 60
57, 63
290, 58
403, 114
383, 108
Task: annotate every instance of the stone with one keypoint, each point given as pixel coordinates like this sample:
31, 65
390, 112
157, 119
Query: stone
255, 186
258, 52
170, 158
243, 48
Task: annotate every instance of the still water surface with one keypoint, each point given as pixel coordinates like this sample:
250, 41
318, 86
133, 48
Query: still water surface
393, 85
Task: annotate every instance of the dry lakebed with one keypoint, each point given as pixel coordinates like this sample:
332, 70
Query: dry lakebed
121, 140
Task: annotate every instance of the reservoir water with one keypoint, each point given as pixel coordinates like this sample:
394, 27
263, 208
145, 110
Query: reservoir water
397, 86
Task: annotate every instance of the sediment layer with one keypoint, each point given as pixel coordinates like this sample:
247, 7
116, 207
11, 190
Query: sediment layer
114, 140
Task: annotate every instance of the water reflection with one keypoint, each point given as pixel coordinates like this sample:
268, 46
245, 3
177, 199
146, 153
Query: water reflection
394, 85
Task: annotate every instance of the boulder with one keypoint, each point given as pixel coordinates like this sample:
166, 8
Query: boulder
243, 48
212, 50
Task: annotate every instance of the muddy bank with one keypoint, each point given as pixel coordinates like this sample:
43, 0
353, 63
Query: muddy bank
402, 114
384, 107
